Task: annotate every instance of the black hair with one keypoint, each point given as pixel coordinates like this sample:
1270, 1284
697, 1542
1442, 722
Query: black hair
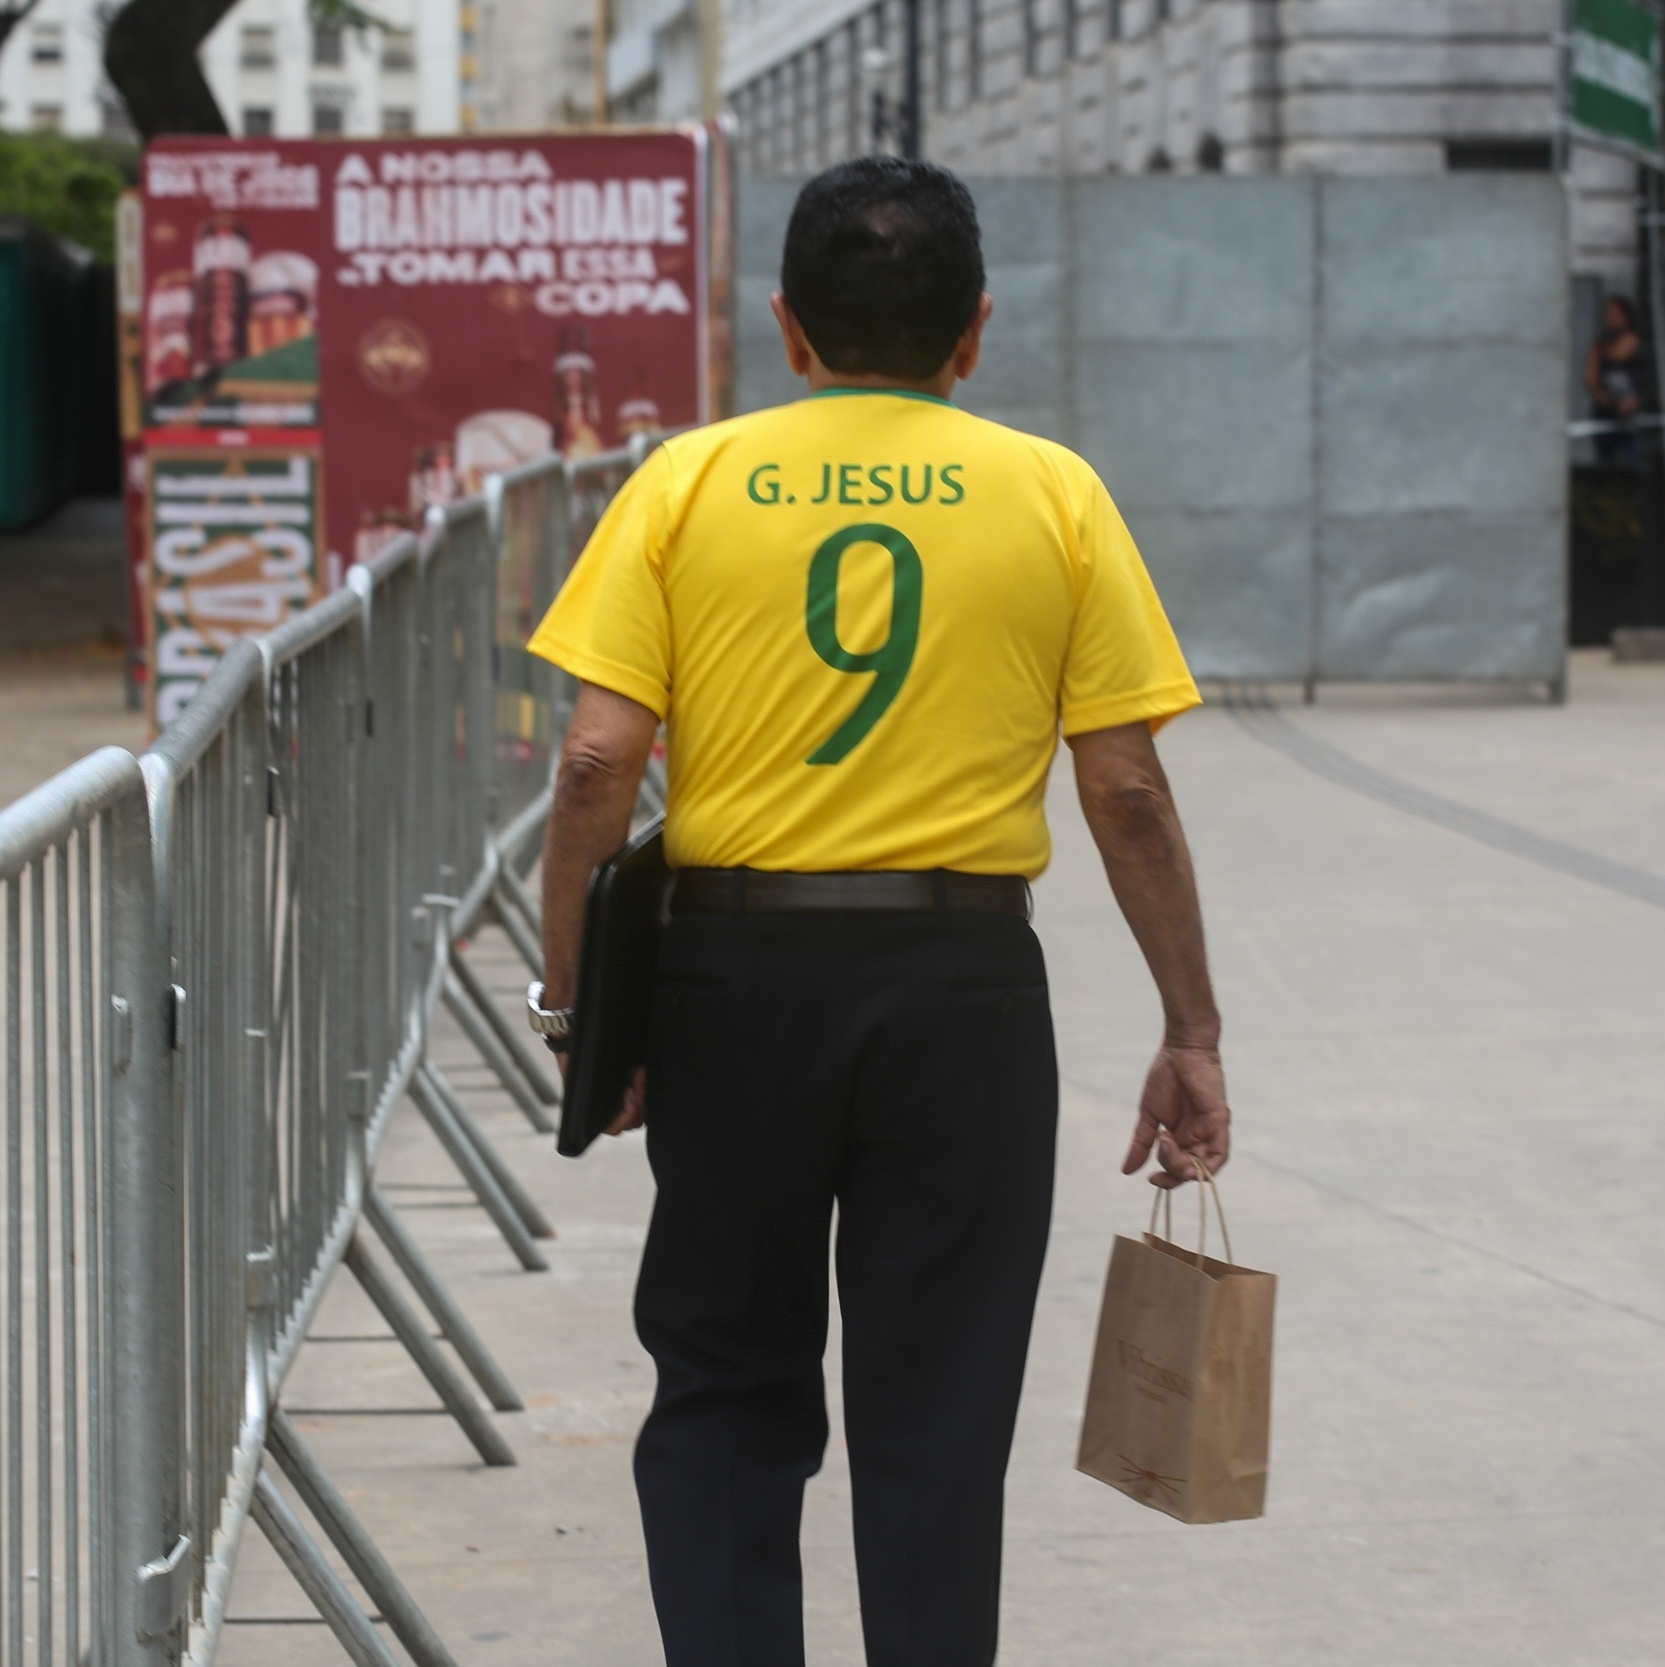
1628, 307
883, 266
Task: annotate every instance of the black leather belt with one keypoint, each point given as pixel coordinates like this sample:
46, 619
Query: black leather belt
740, 891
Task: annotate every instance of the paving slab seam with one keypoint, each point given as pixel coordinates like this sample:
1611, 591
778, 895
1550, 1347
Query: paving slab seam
1242, 1154
1252, 707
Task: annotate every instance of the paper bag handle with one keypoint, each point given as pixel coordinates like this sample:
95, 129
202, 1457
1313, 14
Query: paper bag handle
1165, 1200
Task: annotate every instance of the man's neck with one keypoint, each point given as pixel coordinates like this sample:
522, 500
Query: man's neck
822, 380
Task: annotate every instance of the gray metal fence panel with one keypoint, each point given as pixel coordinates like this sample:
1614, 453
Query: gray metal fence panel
1331, 410
1193, 357
93, 1444
1442, 493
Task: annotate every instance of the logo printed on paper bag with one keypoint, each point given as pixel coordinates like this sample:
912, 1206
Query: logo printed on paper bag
1131, 1359
1148, 1483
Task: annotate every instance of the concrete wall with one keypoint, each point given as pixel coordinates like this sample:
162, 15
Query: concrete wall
1332, 410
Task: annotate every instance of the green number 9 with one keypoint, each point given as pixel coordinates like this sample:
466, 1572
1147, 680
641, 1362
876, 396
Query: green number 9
891, 660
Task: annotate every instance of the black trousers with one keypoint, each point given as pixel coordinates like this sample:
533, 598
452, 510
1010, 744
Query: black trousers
902, 1067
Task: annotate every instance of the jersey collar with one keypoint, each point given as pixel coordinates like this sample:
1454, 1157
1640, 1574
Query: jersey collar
887, 393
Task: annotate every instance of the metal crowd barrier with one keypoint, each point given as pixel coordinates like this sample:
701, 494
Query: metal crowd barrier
222, 965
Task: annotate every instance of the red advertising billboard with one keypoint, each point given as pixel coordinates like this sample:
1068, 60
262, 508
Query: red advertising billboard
410, 315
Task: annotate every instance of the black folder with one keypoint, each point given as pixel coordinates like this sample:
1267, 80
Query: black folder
623, 918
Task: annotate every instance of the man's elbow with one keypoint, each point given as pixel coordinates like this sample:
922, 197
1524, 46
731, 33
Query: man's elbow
591, 773
1136, 814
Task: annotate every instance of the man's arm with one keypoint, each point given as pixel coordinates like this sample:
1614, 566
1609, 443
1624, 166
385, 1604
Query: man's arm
606, 751
1130, 809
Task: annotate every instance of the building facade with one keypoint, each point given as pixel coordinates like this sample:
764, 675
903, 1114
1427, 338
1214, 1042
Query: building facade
272, 71
1149, 86
534, 64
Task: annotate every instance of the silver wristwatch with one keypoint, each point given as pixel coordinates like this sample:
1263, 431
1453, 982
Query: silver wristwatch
554, 1025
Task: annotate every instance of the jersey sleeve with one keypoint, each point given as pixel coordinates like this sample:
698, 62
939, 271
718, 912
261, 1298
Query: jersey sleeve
1124, 664
611, 622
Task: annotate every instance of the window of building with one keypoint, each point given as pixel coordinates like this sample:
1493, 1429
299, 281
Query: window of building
1159, 11
329, 120
1211, 155
329, 45
399, 49
1499, 156
258, 47
398, 119
46, 118
1113, 20
257, 122
46, 43
974, 46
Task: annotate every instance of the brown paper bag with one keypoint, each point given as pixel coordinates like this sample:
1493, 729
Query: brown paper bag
1179, 1405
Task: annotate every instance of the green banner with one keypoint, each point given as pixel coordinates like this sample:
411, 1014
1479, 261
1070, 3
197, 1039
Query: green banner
1615, 72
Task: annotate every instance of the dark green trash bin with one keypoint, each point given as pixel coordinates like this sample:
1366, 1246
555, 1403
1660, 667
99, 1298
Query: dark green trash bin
49, 339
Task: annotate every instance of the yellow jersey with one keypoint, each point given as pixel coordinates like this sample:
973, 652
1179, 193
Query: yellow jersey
865, 618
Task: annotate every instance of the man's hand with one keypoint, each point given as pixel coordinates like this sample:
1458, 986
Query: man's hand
633, 1110
1183, 1115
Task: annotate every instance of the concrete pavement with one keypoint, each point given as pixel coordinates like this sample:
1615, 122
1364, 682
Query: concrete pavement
1446, 1064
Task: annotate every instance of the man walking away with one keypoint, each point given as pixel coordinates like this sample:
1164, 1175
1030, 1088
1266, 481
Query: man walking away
864, 619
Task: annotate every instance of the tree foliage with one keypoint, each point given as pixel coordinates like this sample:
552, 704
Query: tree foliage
65, 186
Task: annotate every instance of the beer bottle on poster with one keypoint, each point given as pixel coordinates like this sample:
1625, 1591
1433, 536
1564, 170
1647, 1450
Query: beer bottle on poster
168, 331
221, 315
577, 405
283, 295
639, 414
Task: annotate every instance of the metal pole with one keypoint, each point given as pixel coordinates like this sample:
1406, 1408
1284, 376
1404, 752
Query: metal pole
485, 1436
149, 1579
520, 1050
453, 1323
1563, 96
478, 1158
475, 1170
1653, 569
316, 1578
331, 1511
912, 127
476, 1028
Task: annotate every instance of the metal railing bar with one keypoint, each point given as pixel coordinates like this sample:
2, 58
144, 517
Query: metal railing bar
181, 747
14, 1264
40, 819
283, 643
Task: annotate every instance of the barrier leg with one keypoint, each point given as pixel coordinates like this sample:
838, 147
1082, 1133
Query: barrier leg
536, 1222
520, 1049
346, 1533
436, 1103
439, 1302
522, 933
479, 1032
407, 1326
322, 1585
515, 890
